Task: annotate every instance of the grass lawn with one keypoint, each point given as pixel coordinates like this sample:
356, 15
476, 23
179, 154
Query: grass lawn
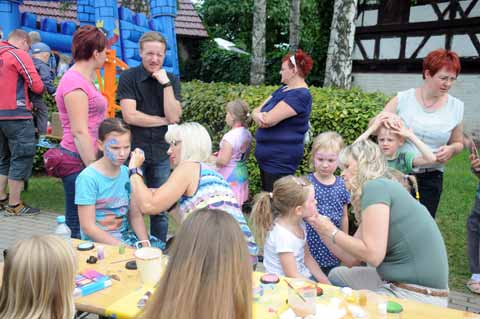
457, 200
458, 195
45, 193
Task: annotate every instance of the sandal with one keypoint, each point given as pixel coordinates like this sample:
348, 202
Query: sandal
473, 286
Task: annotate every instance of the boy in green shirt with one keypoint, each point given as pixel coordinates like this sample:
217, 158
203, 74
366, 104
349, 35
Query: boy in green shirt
391, 138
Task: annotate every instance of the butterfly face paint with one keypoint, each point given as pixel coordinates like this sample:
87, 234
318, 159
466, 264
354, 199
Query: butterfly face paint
325, 163
110, 152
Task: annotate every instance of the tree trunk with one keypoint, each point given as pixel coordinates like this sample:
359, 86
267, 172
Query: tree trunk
338, 71
257, 68
294, 36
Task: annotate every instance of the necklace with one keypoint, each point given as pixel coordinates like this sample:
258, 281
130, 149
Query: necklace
423, 100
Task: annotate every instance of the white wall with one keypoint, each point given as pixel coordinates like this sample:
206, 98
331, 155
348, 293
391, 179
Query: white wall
466, 88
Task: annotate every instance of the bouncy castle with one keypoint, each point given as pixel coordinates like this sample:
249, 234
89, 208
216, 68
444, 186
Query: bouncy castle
119, 22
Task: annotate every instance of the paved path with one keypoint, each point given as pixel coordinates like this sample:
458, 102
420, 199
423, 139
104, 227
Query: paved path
14, 228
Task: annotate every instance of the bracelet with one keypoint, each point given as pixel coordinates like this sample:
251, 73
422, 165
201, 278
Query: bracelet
334, 233
167, 84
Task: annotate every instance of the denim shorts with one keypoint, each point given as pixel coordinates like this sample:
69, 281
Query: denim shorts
17, 148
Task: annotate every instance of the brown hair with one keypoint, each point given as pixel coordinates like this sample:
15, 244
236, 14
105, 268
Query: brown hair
86, 40
288, 193
19, 34
240, 111
112, 125
152, 36
209, 275
38, 279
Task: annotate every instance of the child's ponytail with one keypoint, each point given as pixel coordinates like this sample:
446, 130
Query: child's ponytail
262, 216
240, 111
288, 193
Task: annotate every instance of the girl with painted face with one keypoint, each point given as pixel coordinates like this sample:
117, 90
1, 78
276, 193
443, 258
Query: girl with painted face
103, 192
331, 195
277, 220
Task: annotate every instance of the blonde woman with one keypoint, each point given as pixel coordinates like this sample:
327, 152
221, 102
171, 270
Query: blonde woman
193, 184
396, 236
38, 279
208, 275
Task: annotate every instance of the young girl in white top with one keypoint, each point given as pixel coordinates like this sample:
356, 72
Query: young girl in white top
278, 223
234, 150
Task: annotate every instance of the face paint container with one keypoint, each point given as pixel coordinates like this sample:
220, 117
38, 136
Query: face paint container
100, 252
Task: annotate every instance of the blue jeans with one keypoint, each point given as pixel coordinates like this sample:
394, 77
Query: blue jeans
156, 173
71, 211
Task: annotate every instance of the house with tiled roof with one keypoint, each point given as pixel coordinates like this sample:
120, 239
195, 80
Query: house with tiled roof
187, 22
189, 28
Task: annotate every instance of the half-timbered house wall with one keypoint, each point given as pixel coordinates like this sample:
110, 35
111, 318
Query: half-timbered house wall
393, 36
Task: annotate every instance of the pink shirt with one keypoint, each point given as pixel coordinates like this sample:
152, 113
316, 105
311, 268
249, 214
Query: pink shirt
97, 105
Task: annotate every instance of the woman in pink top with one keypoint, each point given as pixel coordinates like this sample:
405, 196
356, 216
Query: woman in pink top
82, 109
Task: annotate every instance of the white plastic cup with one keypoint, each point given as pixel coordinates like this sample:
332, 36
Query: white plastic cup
149, 264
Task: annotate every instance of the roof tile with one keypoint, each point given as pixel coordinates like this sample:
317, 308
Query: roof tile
187, 22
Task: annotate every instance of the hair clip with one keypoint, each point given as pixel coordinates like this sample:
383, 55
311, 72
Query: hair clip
292, 60
299, 181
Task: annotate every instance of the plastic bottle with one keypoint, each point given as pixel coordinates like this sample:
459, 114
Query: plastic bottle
62, 229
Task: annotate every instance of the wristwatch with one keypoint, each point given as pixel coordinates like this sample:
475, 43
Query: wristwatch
136, 170
167, 84
334, 233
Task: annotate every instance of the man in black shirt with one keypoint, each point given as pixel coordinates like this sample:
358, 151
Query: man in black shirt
149, 97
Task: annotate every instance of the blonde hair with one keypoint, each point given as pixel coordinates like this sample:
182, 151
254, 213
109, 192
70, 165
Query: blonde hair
288, 193
209, 275
152, 36
371, 164
327, 140
195, 141
38, 279
239, 110
389, 131
407, 181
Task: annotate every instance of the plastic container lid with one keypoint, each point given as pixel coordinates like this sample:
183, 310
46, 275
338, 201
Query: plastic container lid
61, 219
393, 307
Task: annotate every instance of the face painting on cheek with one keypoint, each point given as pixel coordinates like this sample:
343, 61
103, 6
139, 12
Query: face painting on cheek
108, 152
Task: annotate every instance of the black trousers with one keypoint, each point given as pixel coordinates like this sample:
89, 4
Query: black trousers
268, 180
473, 237
430, 187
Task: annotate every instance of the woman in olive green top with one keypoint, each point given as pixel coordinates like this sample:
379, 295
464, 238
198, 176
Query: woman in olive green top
396, 237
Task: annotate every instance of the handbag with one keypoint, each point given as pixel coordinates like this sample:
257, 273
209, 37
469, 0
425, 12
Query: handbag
60, 162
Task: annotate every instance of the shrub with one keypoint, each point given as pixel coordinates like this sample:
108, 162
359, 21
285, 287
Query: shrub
344, 111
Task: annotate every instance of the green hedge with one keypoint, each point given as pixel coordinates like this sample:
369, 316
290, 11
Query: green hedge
344, 111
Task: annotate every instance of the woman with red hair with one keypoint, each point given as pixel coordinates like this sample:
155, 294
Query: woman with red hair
282, 121
435, 117
82, 108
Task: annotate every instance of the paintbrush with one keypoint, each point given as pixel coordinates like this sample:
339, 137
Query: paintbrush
121, 261
295, 290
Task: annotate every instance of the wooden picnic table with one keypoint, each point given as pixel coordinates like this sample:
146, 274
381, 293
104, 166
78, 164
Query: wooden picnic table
121, 298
